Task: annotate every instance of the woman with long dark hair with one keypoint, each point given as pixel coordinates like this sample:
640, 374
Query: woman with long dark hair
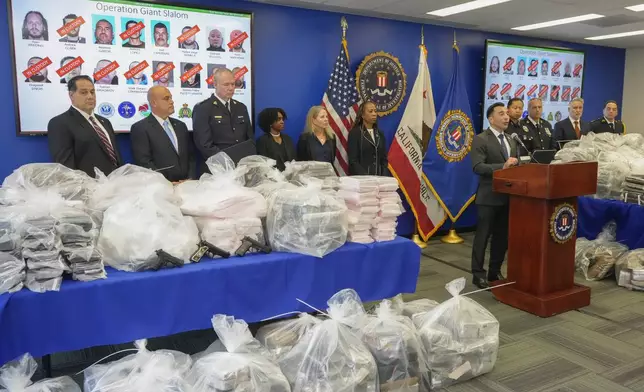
367, 155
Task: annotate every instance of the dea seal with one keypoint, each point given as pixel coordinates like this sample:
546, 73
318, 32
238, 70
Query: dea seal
563, 223
185, 111
454, 136
382, 80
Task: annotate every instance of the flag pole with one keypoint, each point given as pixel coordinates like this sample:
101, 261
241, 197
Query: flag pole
452, 237
416, 238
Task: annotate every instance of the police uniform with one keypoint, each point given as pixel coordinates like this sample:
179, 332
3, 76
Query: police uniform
536, 137
216, 128
601, 125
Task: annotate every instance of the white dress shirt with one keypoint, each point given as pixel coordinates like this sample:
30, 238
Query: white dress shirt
86, 116
536, 123
161, 121
505, 139
224, 101
371, 134
610, 122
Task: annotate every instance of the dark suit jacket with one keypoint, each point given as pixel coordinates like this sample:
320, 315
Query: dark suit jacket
152, 148
73, 142
267, 147
565, 131
487, 158
367, 156
304, 147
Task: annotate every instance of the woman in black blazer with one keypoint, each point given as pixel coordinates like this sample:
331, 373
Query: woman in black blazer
317, 142
275, 144
366, 144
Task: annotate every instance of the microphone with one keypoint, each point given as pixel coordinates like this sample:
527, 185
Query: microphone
518, 139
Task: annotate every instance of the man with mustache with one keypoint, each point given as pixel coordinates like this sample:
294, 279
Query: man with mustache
73, 35
104, 33
41, 76
190, 42
216, 40
165, 80
160, 35
35, 27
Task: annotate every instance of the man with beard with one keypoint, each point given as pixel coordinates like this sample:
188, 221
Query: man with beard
139, 78
69, 75
110, 78
135, 39
35, 27
216, 40
41, 76
72, 36
190, 42
165, 80
104, 33
238, 48
160, 35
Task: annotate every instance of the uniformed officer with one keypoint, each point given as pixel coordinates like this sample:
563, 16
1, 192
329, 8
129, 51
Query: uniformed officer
536, 132
608, 123
515, 111
220, 122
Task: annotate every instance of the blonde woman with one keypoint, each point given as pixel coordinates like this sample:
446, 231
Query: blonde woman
317, 142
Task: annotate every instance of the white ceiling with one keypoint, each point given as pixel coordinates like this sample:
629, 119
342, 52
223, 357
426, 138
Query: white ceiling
502, 17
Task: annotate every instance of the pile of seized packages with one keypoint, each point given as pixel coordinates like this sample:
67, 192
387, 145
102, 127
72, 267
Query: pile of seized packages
415, 346
56, 221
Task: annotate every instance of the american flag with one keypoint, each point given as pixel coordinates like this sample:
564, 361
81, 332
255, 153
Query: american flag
341, 100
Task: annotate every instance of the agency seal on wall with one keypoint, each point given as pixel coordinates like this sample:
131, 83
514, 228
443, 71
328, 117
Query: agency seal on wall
563, 223
382, 80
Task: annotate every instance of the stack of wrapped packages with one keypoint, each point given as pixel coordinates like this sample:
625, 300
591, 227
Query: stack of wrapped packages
12, 266
629, 270
280, 337
306, 220
413, 308
300, 173
237, 362
460, 336
360, 193
159, 371
633, 187
596, 258
15, 376
224, 210
78, 233
389, 209
141, 215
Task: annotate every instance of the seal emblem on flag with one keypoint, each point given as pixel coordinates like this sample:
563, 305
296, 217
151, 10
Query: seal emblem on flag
563, 223
454, 136
381, 79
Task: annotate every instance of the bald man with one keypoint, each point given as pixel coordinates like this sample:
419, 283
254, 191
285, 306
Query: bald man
162, 143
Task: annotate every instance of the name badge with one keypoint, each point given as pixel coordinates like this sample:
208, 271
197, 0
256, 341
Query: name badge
218, 117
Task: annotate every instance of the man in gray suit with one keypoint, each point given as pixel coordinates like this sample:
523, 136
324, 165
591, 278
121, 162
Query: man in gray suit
492, 150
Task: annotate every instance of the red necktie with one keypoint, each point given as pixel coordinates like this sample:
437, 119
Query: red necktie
103, 137
577, 131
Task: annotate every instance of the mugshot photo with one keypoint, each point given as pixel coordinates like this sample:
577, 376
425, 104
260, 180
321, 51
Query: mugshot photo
494, 65
74, 72
111, 78
533, 68
215, 39
160, 33
555, 91
189, 43
240, 47
41, 76
211, 68
521, 66
567, 70
508, 67
103, 29
545, 66
166, 80
240, 83
73, 36
34, 27
138, 78
136, 40
192, 82
543, 91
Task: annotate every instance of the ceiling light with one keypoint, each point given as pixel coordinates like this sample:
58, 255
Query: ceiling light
469, 6
636, 8
558, 22
618, 35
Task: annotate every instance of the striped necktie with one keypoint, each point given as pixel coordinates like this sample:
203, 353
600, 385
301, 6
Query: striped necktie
104, 140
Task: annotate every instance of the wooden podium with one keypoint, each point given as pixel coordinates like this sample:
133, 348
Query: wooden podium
542, 233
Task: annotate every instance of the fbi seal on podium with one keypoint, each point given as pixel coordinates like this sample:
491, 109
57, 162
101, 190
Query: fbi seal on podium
563, 223
454, 136
381, 79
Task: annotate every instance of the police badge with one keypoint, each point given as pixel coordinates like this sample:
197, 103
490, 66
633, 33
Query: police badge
381, 79
185, 111
563, 223
525, 129
548, 132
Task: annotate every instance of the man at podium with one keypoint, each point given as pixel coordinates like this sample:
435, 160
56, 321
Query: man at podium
492, 150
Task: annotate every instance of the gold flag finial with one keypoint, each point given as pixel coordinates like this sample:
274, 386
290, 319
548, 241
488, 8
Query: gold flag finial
455, 45
454, 37
345, 26
422, 35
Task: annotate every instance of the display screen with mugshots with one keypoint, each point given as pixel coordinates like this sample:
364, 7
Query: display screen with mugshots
555, 75
126, 47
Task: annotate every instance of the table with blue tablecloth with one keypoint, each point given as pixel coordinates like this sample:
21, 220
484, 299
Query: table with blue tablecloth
128, 306
629, 218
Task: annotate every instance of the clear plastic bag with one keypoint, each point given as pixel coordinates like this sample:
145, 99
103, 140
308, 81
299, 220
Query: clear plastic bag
228, 234
222, 168
16, 375
280, 337
629, 269
12, 273
360, 184
158, 371
244, 366
387, 184
460, 337
69, 184
331, 357
220, 198
596, 258
610, 177
260, 169
308, 168
412, 308
305, 220
133, 230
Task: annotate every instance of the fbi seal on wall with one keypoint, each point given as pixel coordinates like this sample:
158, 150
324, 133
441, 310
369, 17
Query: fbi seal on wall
454, 136
382, 80
563, 223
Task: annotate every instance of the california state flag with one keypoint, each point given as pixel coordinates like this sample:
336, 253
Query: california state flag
406, 152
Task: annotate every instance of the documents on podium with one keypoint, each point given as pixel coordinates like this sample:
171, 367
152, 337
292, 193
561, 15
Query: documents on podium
542, 233
240, 150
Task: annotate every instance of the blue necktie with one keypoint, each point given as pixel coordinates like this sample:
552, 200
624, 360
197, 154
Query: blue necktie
166, 128
504, 149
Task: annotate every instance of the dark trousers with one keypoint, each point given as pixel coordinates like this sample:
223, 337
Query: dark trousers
492, 222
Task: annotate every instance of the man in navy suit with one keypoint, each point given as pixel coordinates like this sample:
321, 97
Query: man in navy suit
162, 143
572, 127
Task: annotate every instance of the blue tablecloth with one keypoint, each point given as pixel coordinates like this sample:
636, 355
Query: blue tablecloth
595, 213
130, 306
